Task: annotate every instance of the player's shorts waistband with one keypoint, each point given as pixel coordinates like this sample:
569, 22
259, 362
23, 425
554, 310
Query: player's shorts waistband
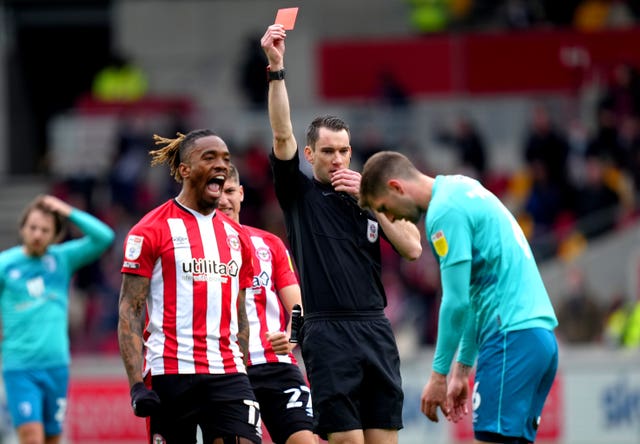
344, 315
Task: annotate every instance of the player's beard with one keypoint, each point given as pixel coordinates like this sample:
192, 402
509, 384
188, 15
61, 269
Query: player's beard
208, 205
417, 214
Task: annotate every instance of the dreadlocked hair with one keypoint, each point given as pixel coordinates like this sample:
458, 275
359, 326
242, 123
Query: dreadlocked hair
173, 151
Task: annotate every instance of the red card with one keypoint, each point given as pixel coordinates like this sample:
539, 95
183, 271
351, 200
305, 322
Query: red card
287, 17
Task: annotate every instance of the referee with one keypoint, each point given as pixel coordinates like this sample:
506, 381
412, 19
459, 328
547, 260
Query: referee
348, 346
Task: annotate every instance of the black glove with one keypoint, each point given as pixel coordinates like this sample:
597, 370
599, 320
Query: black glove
145, 402
297, 320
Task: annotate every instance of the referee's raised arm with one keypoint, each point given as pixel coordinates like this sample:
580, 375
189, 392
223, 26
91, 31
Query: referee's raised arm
284, 143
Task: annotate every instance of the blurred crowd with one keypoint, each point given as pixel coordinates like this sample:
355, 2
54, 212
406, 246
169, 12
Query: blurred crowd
573, 187
577, 182
430, 16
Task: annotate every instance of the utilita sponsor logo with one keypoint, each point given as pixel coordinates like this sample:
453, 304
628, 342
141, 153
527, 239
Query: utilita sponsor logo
621, 404
262, 280
207, 266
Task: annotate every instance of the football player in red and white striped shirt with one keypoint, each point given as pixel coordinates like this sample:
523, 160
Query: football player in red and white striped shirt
183, 329
281, 391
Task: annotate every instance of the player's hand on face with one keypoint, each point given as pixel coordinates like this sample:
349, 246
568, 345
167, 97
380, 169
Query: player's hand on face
280, 342
346, 180
273, 44
457, 395
434, 395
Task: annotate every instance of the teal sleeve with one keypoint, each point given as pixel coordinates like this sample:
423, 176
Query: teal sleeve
468, 344
453, 313
98, 236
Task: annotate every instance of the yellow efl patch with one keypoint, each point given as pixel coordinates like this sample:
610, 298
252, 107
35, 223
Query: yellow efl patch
440, 243
290, 261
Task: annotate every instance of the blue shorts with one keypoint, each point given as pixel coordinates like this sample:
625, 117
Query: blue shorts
514, 376
38, 396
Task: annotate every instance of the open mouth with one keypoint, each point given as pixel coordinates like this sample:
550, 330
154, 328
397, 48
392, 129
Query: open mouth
215, 184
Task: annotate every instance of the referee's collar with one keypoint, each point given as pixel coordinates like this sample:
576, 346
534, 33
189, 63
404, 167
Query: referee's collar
324, 187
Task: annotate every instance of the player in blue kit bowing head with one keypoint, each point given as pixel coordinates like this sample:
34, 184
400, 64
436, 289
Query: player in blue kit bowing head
494, 303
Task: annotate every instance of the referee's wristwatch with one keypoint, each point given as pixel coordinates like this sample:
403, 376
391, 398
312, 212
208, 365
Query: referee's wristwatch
275, 75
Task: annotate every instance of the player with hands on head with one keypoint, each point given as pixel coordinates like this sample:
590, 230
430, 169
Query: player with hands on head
281, 391
183, 330
494, 303
349, 348
34, 300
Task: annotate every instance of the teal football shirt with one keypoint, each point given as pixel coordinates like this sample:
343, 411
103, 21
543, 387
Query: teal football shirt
491, 281
34, 296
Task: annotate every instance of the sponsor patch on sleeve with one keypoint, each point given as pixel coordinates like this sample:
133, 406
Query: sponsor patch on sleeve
440, 243
372, 231
134, 247
290, 261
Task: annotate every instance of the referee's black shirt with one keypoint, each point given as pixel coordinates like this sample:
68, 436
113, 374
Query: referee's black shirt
336, 244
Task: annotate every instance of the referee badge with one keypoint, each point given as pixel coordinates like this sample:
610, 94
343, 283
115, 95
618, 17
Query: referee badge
440, 243
372, 230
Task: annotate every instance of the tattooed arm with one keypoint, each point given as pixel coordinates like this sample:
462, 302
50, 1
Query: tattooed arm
133, 295
243, 326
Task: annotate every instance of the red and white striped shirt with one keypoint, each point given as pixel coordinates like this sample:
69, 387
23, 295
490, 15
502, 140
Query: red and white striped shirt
265, 310
197, 264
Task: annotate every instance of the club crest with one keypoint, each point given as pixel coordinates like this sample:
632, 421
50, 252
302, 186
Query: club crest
263, 254
233, 242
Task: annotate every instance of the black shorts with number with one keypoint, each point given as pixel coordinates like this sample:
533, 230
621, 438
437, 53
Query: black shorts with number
284, 398
353, 367
222, 405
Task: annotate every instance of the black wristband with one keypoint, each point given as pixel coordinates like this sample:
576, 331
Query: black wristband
275, 75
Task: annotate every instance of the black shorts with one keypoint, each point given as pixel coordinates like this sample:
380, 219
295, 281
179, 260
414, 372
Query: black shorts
353, 367
222, 405
284, 398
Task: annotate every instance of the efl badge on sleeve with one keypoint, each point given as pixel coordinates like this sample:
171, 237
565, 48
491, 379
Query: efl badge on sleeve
290, 261
440, 243
372, 230
134, 247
